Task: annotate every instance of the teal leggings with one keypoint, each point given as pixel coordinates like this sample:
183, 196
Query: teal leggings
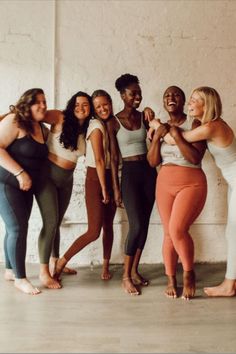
53, 196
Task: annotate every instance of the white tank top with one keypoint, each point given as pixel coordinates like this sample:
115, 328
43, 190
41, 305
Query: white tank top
132, 142
225, 159
171, 154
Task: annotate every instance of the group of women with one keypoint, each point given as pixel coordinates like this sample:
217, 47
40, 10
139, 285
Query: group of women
37, 161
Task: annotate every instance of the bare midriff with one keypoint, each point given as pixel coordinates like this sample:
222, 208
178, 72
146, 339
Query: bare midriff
59, 161
135, 158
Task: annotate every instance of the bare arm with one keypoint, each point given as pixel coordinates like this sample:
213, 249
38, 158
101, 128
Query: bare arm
153, 155
193, 152
96, 138
115, 154
202, 132
53, 117
9, 132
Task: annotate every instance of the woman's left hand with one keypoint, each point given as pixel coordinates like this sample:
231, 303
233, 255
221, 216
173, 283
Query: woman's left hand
174, 132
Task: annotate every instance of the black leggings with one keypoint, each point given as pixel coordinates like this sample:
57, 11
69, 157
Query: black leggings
138, 182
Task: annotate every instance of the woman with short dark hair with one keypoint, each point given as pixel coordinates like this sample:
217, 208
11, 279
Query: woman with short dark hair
127, 132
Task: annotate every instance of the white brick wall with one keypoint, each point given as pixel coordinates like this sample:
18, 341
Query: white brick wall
66, 46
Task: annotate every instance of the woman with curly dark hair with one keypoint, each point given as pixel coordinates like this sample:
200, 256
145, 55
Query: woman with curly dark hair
66, 143
22, 153
127, 132
99, 199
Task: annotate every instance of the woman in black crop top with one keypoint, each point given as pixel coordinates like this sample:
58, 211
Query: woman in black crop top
127, 132
22, 151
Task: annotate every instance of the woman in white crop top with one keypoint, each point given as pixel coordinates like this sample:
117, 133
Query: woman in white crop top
100, 203
181, 191
66, 142
205, 105
127, 132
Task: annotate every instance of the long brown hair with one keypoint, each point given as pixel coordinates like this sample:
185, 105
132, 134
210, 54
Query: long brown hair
22, 109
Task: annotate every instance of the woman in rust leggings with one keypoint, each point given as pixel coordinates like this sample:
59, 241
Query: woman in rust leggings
181, 191
98, 186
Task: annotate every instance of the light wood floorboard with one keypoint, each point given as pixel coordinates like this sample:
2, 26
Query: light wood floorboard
89, 315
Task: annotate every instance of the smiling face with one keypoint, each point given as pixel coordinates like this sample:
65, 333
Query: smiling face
173, 100
102, 107
196, 106
38, 109
132, 96
82, 108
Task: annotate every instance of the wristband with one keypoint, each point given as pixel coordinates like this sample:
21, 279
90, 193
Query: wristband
18, 173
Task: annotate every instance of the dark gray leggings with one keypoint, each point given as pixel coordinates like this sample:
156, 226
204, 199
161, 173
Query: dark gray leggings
138, 182
53, 197
15, 210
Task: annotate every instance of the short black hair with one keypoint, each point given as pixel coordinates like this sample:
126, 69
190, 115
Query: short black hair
178, 88
124, 81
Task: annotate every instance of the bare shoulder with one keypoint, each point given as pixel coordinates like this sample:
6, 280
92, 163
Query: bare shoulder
218, 125
112, 125
9, 120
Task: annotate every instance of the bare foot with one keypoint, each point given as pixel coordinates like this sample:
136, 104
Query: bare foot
59, 266
226, 288
189, 285
9, 275
26, 287
49, 282
106, 275
137, 279
171, 289
69, 271
129, 286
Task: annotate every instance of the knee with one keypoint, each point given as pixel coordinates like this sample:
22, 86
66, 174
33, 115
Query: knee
177, 232
49, 228
17, 230
107, 229
135, 229
93, 234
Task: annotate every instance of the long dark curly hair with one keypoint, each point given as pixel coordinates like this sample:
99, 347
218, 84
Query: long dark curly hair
22, 109
71, 128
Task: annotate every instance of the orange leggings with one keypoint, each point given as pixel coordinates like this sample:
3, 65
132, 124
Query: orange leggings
180, 195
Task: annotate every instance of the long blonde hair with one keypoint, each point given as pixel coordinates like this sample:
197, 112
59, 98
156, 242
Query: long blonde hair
212, 103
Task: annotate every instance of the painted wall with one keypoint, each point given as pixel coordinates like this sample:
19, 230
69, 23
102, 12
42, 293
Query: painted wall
65, 46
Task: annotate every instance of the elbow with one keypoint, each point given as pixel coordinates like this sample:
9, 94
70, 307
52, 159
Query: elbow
195, 160
99, 161
152, 162
114, 160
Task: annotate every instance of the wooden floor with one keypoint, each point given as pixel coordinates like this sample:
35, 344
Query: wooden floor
92, 316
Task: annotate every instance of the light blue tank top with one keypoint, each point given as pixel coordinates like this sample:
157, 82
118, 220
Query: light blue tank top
171, 154
132, 142
225, 159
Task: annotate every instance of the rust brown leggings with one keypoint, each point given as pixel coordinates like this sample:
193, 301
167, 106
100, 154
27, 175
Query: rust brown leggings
100, 216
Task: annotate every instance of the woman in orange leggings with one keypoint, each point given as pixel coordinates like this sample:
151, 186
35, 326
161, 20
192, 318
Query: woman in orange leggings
181, 191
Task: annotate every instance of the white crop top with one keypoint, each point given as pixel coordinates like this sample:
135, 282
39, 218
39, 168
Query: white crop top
171, 154
56, 148
90, 158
